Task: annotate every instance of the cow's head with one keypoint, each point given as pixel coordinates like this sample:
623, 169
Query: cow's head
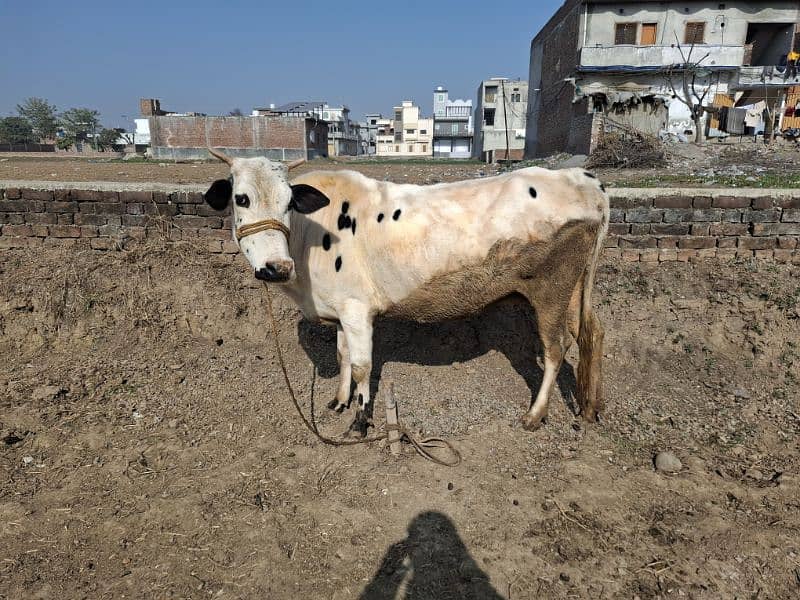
262, 201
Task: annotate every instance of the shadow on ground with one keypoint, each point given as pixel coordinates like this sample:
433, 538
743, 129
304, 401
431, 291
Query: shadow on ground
431, 562
508, 326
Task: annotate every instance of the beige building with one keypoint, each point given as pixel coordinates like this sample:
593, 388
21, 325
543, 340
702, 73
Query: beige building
408, 134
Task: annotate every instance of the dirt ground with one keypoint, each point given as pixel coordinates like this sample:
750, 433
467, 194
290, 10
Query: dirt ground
736, 163
148, 448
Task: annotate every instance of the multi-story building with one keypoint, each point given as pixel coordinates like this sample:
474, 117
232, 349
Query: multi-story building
599, 65
368, 133
500, 119
408, 134
452, 126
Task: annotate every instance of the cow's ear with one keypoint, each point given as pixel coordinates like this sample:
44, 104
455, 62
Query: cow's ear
219, 194
307, 199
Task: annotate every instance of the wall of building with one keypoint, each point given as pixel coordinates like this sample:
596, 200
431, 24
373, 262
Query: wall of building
276, 137
508, 131
646, 225
601, 20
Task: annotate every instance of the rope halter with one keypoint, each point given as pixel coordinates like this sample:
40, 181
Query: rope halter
259, 226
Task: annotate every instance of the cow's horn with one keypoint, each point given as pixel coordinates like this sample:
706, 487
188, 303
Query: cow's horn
226, 159
295, 163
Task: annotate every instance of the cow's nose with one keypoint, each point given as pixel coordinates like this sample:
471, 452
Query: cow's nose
275, 272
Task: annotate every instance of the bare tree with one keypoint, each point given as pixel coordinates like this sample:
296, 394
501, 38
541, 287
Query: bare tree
682, 80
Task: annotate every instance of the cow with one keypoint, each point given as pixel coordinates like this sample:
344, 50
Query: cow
346, 248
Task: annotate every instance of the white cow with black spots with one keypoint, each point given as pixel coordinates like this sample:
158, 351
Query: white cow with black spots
347, 248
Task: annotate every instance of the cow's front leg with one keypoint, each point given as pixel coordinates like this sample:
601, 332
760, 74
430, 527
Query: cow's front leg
357, 325
342, 399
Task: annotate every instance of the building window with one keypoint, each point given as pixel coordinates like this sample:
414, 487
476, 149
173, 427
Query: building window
454, 129
326, 116
423, 131
397, 148
625, 34
398, 115
424, 147
488, 116
516, 97
648, 34
695, 33
490, 93
410, 131
411, 147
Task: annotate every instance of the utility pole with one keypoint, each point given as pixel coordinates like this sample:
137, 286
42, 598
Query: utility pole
505, 115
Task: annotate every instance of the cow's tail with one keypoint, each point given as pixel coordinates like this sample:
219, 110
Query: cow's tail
590, 335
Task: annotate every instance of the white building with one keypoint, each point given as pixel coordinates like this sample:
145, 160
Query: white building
408, 134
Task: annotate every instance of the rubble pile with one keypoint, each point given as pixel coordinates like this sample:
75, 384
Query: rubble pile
627, 150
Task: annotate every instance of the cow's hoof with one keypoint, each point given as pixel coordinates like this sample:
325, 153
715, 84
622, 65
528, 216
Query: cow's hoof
359, 426
532, 422
336, 405
590, 415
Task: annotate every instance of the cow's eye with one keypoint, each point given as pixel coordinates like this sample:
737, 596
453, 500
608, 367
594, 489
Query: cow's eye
242, 200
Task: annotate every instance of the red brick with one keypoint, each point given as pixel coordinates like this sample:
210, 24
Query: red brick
169, 210
673, 202
783, 256
41, 195
649, 255
21, 230
685, 255
697, 243
61, 195
769, 215
729, 228
135, 220
792, 202
13, 193
39, 230
618, 228
788, 242
187, 209
730, 202
89, 219
196, 222
640, 241
630, 255
763, 202
667, 255
727, 254
41, 218
761, 229
65, 219
702, 202
670, 228
65, 231
88, 231
13, 206
700, 229
14, 218
110, 208
8, 242
753, 243
61, 207
230, 247
791, 215
726, 242
640, 228
764, 253
744, 253
669, 241
146, 197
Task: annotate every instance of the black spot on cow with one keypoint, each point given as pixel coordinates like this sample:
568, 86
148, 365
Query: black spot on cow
338, 263
396, 214
592, 175
344, 222
380, 217
326, 242
354, 227
345, 207
532, 192
361, 400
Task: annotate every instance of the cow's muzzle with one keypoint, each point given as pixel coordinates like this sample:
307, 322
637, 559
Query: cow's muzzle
277, 272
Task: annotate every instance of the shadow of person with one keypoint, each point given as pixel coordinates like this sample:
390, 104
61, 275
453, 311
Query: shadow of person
431, 562
507, 326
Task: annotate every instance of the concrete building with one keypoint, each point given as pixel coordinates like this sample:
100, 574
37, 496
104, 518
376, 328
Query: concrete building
500, 119
452, 126
343, 135
599, 65
368, 134
408, 134
278, 137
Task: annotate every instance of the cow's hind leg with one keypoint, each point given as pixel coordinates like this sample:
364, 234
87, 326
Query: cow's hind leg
556, 341
357, 327
342, 399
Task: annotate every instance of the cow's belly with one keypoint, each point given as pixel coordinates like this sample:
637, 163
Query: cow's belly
505, 270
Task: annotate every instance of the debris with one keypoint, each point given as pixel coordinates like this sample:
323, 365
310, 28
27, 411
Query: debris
27, 460
628, 150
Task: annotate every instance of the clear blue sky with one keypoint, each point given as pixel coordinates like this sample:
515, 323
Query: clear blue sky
213, 57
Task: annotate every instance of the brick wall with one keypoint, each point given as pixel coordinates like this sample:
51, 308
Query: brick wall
646, 225
277, 137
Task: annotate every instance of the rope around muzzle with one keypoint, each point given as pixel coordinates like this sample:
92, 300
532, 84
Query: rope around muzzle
421, 446
259, 226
